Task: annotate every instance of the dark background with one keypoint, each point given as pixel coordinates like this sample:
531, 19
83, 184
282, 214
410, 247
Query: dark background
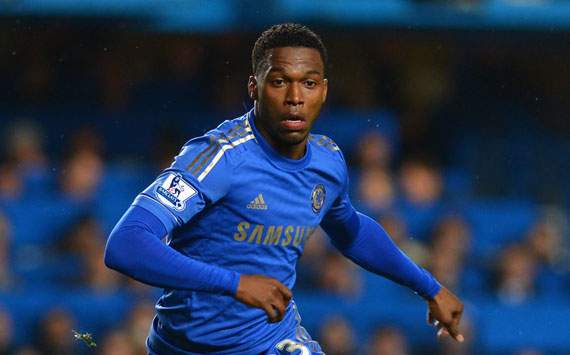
453, 116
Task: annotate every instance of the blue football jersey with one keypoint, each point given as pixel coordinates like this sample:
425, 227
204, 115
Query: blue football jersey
229, 199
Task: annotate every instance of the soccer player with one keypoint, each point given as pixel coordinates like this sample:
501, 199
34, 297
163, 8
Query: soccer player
237, 206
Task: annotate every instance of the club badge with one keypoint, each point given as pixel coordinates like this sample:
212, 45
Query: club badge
318, 198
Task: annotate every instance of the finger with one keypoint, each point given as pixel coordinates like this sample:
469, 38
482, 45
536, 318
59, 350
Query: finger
271, 312
287, 294
453, 330
280, 299
280, 308
455, 323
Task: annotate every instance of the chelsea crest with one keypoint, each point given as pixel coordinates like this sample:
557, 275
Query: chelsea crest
318, 198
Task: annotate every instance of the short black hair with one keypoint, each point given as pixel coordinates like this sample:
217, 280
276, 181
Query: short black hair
286, 35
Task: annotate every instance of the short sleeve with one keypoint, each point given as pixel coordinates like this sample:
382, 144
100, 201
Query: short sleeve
199, 176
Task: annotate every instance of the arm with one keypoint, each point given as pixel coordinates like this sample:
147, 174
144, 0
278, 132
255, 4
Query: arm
134, 248
366, 243
172, 200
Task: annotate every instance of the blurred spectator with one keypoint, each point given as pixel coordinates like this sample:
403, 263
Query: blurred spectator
86, 241
11, 180
516, 274
137, 325
421, 201
26, 164
5, 272
24, 144
83, 168
97, 276
27, 350
337, 337
388, 340
375, 186
88, 139
312, 259
421, 182
545, 241
81, 175
84, 235
118, 343
450, 246
376, 192
6, 333
339, 276
55, 335
373, 150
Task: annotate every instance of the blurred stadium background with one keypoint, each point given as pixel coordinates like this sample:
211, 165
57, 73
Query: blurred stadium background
453, 115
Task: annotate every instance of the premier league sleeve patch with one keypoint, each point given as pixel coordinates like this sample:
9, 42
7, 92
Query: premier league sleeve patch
174, 192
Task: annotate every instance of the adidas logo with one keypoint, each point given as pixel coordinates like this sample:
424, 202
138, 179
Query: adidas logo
258, 203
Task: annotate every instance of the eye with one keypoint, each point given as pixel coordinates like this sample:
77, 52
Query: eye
278, 82
310, 83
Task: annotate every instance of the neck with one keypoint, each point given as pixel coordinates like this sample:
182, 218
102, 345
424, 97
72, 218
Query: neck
291, 151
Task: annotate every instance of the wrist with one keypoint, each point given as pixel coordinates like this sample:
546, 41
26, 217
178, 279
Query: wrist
431, 287
233, 284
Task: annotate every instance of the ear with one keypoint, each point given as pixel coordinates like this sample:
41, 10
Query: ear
252, 87
325, 90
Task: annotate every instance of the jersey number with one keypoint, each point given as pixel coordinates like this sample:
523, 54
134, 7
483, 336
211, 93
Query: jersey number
290, 346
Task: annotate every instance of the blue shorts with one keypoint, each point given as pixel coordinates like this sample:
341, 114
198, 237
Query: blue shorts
300, 344
296, 342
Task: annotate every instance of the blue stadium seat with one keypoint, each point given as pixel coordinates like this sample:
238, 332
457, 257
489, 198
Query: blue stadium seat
119, 187
539, 325
496, 223
40, 221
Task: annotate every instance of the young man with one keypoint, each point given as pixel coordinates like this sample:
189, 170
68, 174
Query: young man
238, 205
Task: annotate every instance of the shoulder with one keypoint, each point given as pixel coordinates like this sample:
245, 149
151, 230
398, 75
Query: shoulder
325, 147
327, 153
218, 148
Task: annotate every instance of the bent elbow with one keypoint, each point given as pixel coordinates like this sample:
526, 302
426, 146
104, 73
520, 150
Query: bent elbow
115, 255
110, 258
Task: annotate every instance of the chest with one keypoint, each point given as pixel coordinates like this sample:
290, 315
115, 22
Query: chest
265, 195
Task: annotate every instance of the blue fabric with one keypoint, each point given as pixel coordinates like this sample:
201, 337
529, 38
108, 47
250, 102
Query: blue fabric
230, 201
297, 342
136, 240
366, 243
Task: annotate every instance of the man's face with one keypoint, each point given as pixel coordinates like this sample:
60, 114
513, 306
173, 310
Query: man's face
289, 91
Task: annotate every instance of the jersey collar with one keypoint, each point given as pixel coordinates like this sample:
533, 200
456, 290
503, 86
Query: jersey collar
276, 158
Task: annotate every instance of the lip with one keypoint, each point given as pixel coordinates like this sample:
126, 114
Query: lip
294, 123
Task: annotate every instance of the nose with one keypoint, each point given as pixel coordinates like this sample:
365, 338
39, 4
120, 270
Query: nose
294, 95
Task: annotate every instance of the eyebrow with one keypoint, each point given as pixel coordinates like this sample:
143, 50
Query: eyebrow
281, 69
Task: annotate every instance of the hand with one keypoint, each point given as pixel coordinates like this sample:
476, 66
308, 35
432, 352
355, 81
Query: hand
265, 293
444, 311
